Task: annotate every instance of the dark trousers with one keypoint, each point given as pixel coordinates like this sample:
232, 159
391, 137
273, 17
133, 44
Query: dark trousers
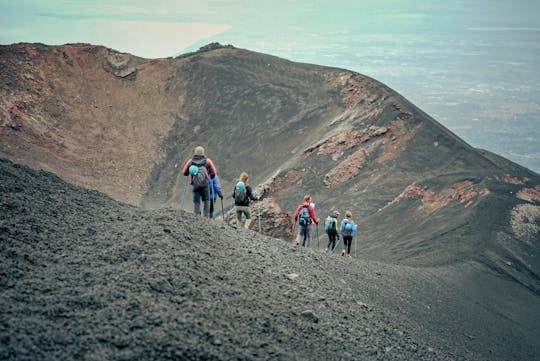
332, 238
306, 237
211, 209
198, 195
347, 241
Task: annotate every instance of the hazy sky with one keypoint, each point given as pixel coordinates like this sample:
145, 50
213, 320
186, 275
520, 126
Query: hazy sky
471, 64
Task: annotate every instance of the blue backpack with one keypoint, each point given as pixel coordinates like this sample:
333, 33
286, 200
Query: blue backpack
304, 217
348, 229
329, 224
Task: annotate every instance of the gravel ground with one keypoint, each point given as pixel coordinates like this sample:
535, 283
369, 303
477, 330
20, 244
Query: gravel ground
85, 277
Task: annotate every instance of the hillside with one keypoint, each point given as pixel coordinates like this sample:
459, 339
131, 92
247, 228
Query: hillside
85, 277
462, 224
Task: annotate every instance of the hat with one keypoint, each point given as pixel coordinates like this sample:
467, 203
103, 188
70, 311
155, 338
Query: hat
336, 213
199, 150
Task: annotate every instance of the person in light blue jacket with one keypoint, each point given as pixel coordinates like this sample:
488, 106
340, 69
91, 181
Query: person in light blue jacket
215, 191
348, 231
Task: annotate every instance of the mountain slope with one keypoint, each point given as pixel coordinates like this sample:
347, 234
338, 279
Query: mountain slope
422, 196
85, 277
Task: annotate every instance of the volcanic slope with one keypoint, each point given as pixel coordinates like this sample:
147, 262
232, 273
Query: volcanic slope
85, 277
422, 196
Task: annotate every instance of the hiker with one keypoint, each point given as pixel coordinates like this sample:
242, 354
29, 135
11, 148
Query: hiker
305, 216
215, 191
242, 195
347, 230
331, 228
201, 170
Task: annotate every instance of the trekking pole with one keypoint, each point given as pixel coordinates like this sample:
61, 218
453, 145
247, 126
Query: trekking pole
183, 199
337, 244
316, 236
213, 198
355, 245
260, 227
294, 232
222, 211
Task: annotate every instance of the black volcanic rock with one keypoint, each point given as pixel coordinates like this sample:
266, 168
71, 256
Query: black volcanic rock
85, 277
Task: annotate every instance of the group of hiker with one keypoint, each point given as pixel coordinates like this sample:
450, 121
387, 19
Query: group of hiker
305, 216
206, 190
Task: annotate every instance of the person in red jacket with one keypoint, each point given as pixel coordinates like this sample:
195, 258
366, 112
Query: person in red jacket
201, 170
305, 216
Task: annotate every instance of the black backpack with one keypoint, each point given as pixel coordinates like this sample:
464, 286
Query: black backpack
304, 217
201, 179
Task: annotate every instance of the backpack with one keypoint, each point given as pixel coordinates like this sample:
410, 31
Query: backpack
329, 223
201, 179
348, 229
240, 196
304, 217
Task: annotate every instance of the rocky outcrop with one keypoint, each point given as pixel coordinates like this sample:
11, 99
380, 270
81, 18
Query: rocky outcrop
119, 65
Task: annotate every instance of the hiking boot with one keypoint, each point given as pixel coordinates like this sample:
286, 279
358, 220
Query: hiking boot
343, 253
349, 255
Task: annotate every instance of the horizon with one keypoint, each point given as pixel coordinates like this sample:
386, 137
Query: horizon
471, 66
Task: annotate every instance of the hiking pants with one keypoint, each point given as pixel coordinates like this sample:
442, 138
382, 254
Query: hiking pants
242, 210
332, 238
347, 242
198, 195
211, 209
306, 237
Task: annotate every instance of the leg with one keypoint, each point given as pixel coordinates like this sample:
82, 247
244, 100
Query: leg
248, 217
238, 216
211, 211
196, 202
206, 199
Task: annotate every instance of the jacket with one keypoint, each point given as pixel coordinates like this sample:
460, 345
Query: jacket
249, 195
306, 203
215, 189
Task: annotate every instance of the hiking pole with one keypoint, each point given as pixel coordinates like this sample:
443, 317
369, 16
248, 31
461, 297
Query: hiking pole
183, 199
222, 211
260, 227
294, 232
316, 234
337, 244
213, 198
355, 245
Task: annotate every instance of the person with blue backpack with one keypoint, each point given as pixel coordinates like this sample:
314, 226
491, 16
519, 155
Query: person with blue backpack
331, 229
348, 231
242, 195
201, 170
305, 216
215, 192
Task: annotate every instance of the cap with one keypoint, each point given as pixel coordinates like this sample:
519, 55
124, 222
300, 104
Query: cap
336, 213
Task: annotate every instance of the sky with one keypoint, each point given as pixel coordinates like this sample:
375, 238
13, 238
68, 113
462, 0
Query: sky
473, 65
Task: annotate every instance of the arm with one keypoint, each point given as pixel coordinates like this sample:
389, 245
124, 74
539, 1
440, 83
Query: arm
312, 215
185, 169
250, 194
217, 188
212, 169
297, 212
341, 226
